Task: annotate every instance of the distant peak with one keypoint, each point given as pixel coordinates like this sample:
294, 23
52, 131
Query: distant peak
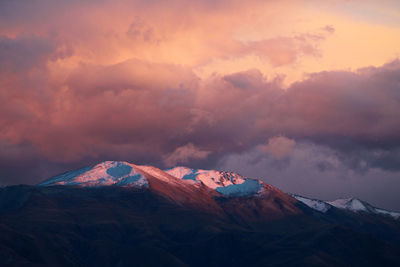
315, 204
351, 204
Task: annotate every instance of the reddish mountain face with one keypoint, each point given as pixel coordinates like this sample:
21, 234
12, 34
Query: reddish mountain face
221, 193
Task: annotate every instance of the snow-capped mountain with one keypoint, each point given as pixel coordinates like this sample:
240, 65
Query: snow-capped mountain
146, 216
357, 205
245, 198
119, 173
350, 204
315, 204
105, 173
198, 186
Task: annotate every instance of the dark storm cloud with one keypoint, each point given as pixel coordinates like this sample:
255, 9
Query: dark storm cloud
355, 113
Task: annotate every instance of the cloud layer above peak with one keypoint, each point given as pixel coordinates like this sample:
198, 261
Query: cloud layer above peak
150, 109
194, 83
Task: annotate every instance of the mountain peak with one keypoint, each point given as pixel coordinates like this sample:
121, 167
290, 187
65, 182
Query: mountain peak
226, 183
315, 204
351, 204
183, 182
106, 173
122, 173
215, 191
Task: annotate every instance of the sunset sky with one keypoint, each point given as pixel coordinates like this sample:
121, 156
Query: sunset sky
302, 94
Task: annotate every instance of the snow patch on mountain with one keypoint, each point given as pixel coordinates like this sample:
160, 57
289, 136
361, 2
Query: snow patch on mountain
247, 188
164, 176
106, 173
357, 205
315, 204
352, 204
394, 214
210, 178
226, 183
182, 173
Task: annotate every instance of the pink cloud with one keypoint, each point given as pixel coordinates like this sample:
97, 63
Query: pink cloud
279, 146
185, 154
153, 109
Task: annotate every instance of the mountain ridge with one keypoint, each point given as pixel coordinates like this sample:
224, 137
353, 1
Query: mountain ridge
144, 216
216, 183
350, 204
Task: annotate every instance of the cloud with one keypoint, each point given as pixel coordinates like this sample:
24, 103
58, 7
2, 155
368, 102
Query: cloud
156, 31
23, 53
279, 146
361, 106
246, 80
184, 154
284, 50
140, 111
